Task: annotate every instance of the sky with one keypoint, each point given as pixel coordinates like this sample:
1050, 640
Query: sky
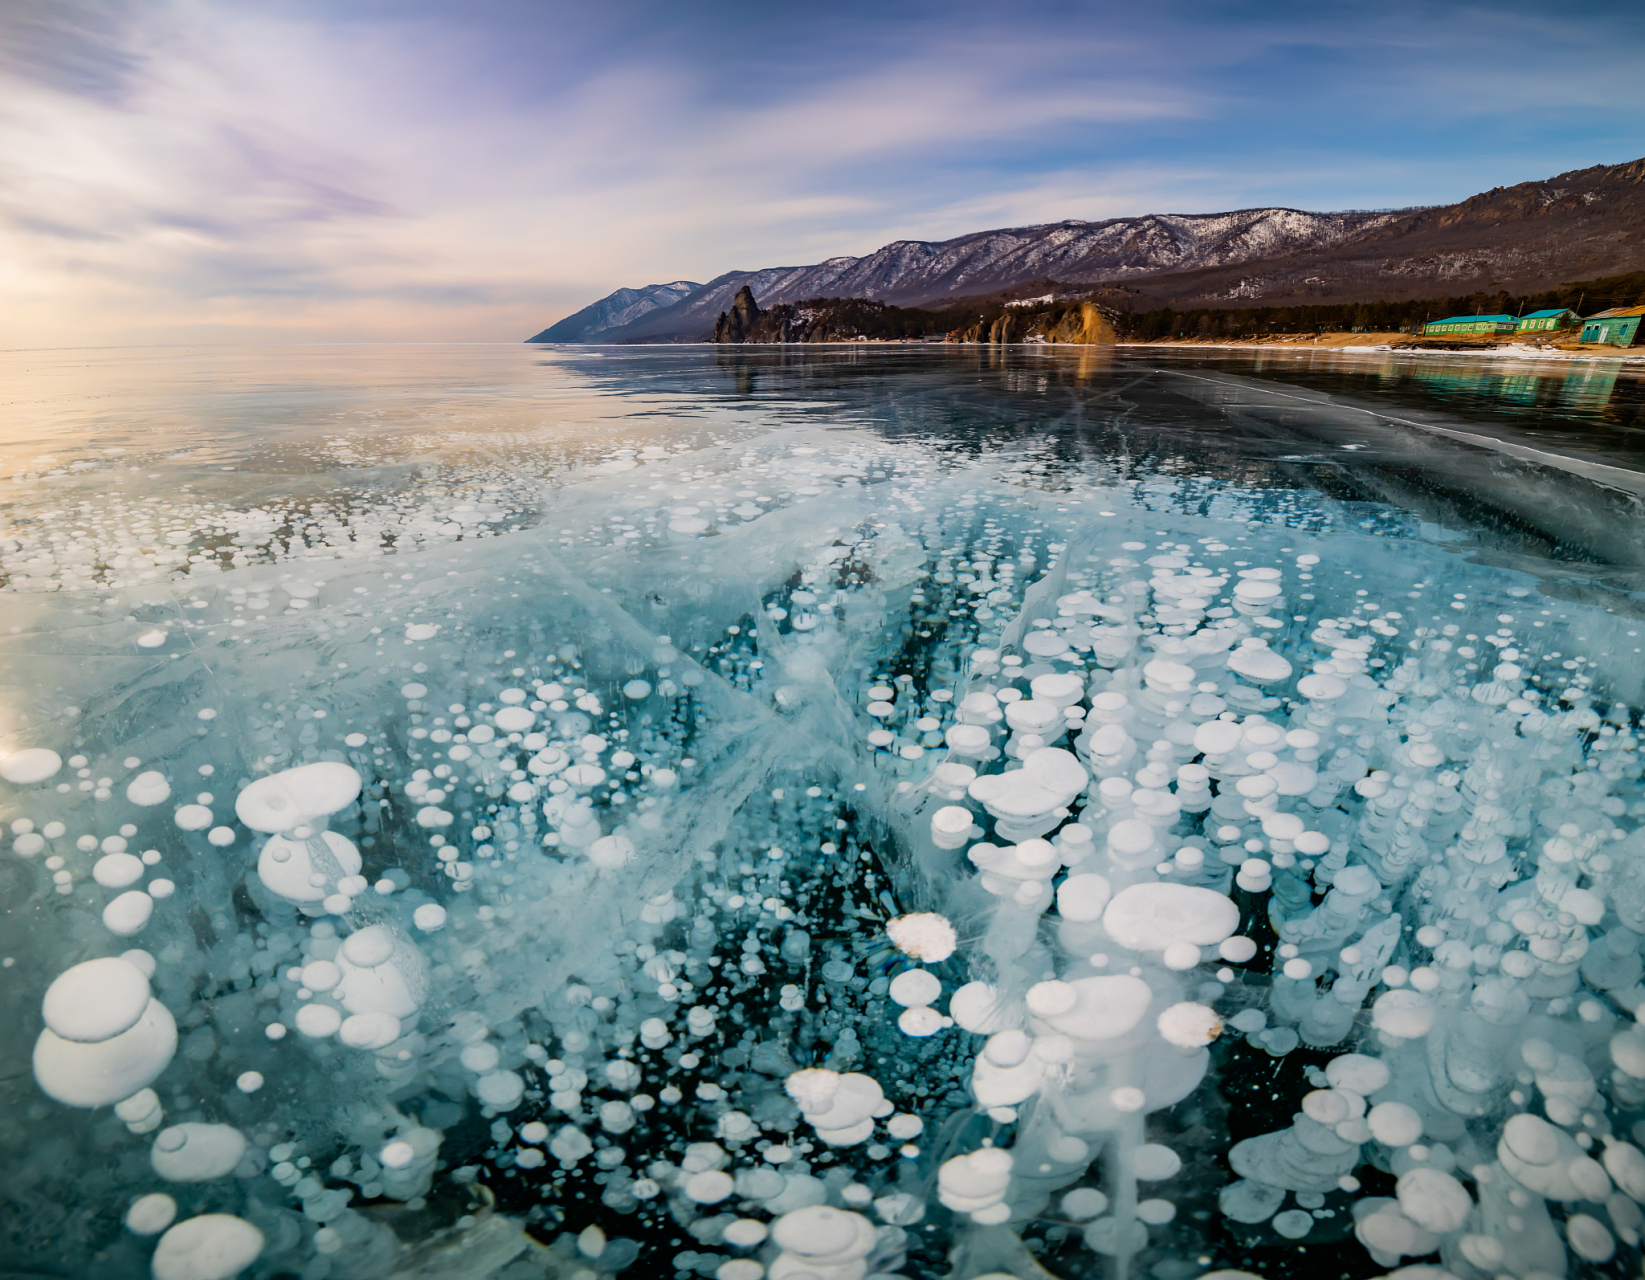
218, 171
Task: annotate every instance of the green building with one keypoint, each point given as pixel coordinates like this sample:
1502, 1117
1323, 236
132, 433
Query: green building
1542, 321
1470, 324
1618, 327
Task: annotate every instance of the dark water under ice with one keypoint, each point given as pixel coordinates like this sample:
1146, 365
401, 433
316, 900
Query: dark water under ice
647, 664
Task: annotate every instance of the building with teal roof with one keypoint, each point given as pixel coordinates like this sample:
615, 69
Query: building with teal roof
1544, 321
1470, 324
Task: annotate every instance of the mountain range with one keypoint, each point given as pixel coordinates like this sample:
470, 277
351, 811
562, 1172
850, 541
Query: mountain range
1523, 238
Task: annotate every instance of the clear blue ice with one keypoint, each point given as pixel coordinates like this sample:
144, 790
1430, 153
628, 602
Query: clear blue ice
906, 813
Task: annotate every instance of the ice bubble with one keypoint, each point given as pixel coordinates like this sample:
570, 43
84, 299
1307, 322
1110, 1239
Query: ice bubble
369, 1030
1433, 1199
249, 1081
117, 870
1152, 1162
1183, 955
95, 1000
1083, 1203
976, 1181
151, 1214
610, 853
288, 866
514, 719
296, 797
821, 1241
193, 817
925, 936
128, 913
841, 1108
1089, 1009
1127, 1098
1249, 1202
1082, 898
1150, 917
429, 917
921, 1022
148, 789
151, 639
951, 826
1237, 950
100, 1073
30, 765
422, 630
197, 1152
1358, 1072
317, 1021
1588, 1238
709, 1187
1189, 1025
213, 1246
977, 1007
915, 987
746, 1233
1626, 1165
500, 1090
1403, 1014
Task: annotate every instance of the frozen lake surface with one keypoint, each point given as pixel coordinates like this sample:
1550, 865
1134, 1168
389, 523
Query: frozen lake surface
502, 813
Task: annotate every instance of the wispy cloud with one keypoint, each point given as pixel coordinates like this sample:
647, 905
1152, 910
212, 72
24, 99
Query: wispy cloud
407, 168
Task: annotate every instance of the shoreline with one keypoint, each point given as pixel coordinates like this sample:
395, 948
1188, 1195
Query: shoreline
1367, 344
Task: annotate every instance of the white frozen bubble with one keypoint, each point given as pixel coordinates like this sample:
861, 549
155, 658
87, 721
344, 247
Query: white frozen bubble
213, 1246
915, 987
148, 789
1150, 917
920, 1022
1189, 1025
289, 866
150, 1214
152, 639
709, 1187
282, 801
925, 936
30, 765
1394, 1124
95, 1000
429, 917
117, 870
317, 1021
193, 817
197, 1152
128, 913
369, 1030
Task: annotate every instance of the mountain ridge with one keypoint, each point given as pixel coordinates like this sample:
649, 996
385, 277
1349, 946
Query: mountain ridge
1530, 235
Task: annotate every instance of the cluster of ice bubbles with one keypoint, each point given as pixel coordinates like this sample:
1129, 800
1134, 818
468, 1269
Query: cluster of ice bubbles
1160, 823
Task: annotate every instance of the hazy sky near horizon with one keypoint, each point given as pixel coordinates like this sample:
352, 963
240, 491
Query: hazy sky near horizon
213, 170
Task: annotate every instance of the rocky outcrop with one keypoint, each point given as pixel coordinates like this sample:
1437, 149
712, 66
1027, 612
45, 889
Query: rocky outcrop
738, 324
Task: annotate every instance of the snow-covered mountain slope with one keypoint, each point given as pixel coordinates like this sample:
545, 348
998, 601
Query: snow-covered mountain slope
914, 271
1533, 235
613, 312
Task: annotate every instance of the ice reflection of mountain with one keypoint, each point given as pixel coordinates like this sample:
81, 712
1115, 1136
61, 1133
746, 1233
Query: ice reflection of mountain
834, 813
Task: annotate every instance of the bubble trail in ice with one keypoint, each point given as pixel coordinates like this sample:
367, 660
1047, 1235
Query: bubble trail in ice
813, 857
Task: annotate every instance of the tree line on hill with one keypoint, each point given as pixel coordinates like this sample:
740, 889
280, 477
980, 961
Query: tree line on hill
1583, 296
1104, 314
